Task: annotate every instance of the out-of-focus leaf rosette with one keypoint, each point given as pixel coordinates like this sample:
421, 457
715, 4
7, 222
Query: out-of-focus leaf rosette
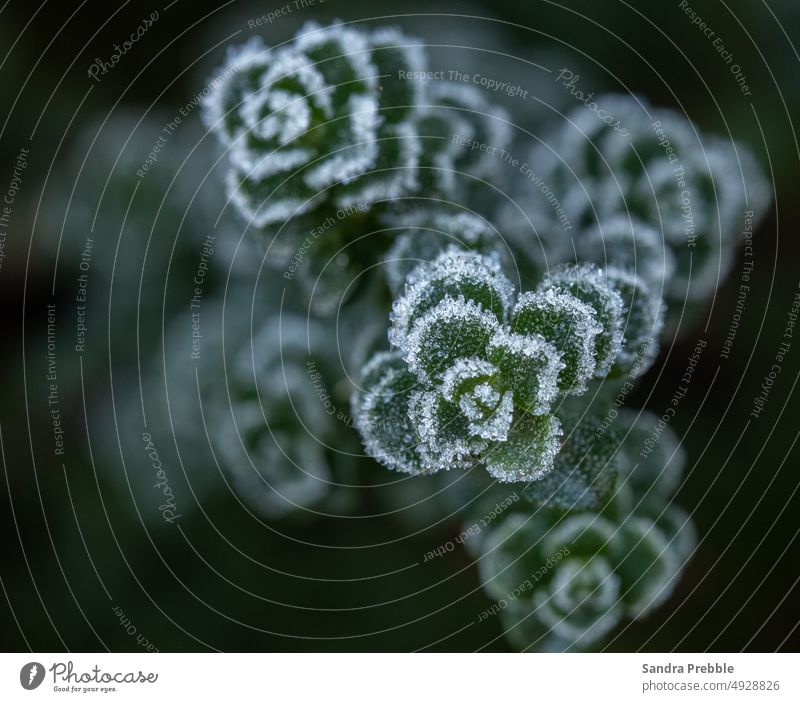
423, 233
474, 377
138, 225
239, 409
645, 179
277, 430
463, 137
651, 463
565, 577
564, 581
316, 132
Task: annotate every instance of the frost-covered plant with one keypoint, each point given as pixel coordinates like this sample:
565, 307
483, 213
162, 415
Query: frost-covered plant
327, 133
270, 434
241, 410
476, 372
338, 117
564, 579
456, 121
655, 171
372, 187
423, 233
308, 123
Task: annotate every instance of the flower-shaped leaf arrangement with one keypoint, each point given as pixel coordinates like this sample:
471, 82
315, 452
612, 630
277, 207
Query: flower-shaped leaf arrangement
654, 172
317, 121
338, 118
330, 136
565, 579
476, 375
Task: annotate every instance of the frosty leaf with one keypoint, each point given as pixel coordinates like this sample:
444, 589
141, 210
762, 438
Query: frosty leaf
453, 329
483, 400
443, 428
590, 286
643, 317
424, 234
394, 172
585, 472
454, 275
381, 415
438, 174
528, 452
652, 457
648, 566
379, 365
569, 325
529, 365
264, 201
341, 55
395, 54
629, 244
358, 150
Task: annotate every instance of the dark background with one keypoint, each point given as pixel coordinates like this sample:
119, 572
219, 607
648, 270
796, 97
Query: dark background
63, 529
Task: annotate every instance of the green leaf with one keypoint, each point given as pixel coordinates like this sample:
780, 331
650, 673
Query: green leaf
453, 329
529, 366
589, 285
569, 325
381, 416
584, 476
528, 452
643, 320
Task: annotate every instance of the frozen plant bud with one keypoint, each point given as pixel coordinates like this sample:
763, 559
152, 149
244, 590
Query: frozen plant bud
486, 390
